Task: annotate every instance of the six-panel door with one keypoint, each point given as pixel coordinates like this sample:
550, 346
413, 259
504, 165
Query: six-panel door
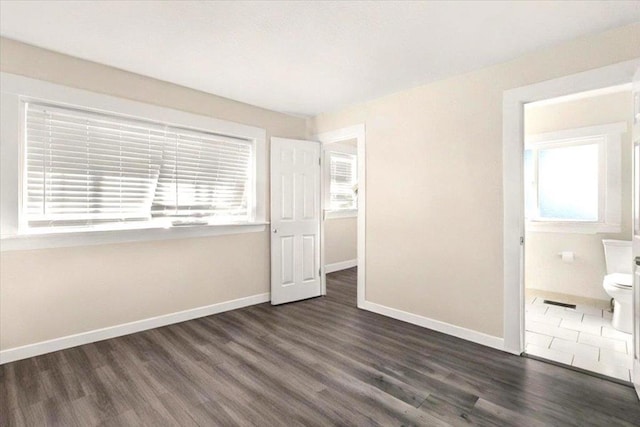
295, 220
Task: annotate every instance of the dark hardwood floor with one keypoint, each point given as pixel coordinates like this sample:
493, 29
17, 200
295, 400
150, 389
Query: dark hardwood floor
315, 362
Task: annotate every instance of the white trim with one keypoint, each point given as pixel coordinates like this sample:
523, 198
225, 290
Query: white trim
340, 148
436, 325
359, 133
25, 87
15, 90
342, 265
92, 238
582, 95
583, 132
30, 350
347, 213
512, 179
635, 245
571, 227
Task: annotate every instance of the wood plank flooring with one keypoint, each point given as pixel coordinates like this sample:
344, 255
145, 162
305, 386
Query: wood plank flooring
312, 363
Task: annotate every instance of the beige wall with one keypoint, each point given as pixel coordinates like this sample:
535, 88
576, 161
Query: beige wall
434, 203
340, 240
50, 293
434, 182
543, 267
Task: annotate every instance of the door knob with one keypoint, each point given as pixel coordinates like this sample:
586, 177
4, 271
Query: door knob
275, 230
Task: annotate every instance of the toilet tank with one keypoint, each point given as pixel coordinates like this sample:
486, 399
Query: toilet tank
618, 256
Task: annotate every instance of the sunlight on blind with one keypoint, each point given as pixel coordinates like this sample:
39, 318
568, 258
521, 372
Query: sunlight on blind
85, 169
203, 176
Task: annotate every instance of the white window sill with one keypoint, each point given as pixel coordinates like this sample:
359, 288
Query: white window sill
571, 227
349, 213
88, 238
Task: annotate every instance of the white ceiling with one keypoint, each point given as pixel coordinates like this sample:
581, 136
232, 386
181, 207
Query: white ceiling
304, 57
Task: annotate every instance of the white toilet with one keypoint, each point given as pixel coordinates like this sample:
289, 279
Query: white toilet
618, 283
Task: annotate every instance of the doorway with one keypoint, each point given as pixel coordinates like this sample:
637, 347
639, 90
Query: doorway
342, 238
514, 102
577, 247
318, 191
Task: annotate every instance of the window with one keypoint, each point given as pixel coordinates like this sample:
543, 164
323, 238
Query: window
342, 191
572, 180
96, 170
341, 188
83, 168
567, 184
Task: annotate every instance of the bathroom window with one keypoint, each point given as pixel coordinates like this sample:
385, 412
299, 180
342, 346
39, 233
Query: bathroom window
572, 180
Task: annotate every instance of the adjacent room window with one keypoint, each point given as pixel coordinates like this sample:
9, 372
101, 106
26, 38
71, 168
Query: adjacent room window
87, 170
572, 180
342, 183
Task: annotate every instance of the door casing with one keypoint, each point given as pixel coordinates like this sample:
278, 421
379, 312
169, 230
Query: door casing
512, 179
352, 132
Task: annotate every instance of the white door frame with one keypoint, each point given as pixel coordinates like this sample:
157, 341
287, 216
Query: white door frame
512, 179
352, 132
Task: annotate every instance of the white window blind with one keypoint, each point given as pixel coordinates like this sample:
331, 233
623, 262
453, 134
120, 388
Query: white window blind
203, 176
342, 187
85, 169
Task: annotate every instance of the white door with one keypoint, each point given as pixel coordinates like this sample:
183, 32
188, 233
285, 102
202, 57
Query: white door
295, 220
636, 230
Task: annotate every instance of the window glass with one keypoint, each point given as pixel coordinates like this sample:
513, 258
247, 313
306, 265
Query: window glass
568, 182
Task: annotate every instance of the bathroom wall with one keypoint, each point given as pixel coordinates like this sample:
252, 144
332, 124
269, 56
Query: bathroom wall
544, 269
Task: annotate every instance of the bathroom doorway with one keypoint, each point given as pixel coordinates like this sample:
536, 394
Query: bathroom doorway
578, 176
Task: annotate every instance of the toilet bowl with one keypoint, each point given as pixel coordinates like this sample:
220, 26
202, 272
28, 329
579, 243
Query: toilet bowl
618, 283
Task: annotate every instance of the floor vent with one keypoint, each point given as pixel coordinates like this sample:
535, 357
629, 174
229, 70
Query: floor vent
561, 304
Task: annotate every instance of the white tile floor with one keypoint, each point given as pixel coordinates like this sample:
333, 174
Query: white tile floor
582, 337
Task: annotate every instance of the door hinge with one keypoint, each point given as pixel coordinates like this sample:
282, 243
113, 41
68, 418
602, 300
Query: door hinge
319, 161
319, 272
522, 240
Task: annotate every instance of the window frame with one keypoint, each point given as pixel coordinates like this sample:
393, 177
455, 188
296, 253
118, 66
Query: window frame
327, 150
609, 177
16, 91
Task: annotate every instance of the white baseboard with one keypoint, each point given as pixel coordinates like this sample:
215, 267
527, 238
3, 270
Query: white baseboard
342, 265
436, 325
56, 344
